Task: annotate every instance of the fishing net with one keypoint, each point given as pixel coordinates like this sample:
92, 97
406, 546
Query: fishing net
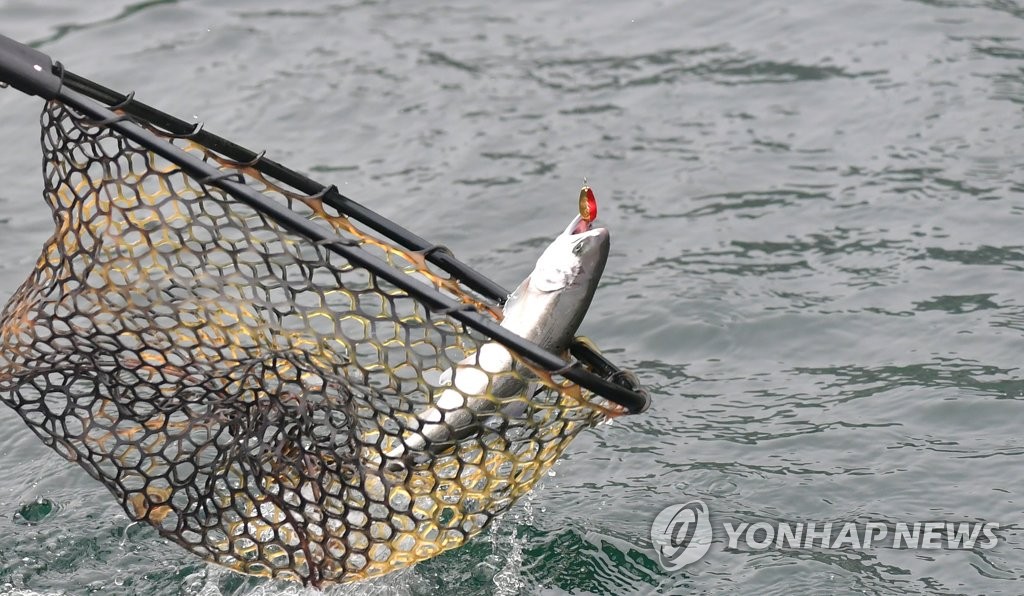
239, 387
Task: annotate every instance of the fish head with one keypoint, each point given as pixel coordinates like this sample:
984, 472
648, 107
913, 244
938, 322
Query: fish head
574, 261
549, 306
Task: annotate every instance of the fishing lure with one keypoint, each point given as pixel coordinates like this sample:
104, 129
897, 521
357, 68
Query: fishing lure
588, 204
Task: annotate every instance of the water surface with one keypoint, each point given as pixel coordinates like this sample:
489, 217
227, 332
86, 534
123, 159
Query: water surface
816, 211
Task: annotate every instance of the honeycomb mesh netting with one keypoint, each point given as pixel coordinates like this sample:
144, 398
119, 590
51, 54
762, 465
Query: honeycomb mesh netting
239, 387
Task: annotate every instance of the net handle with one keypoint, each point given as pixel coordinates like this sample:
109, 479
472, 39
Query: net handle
34, 73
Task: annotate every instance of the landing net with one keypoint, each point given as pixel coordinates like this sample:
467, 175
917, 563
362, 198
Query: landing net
237, 386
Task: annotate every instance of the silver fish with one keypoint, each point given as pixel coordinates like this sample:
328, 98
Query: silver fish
547, 309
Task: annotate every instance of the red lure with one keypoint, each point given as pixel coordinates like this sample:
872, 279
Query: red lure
588, 204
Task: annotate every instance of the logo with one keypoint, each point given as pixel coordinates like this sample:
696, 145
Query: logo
858, 536
681, 534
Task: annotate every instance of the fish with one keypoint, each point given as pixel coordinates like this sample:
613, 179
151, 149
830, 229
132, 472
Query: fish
547, 309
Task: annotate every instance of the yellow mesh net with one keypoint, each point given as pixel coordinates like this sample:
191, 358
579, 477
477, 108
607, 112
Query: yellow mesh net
239, 387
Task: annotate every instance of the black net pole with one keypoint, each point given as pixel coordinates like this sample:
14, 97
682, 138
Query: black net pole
34, 73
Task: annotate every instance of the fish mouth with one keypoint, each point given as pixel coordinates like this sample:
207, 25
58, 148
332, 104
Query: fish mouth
580, 226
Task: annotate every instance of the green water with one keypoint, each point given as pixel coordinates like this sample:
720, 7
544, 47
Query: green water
817, 264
